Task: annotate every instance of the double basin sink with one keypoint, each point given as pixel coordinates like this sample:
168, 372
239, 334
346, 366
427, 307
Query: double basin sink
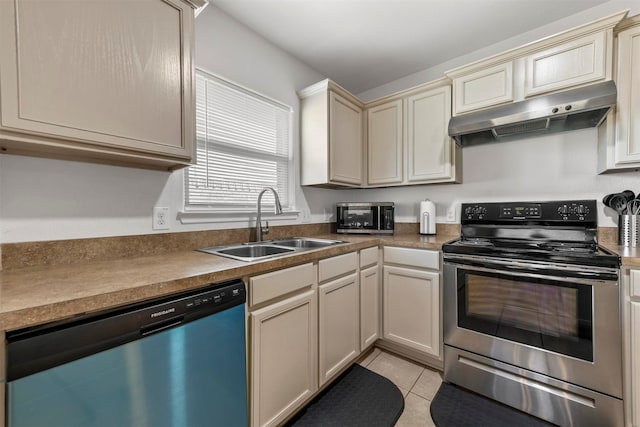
257, 251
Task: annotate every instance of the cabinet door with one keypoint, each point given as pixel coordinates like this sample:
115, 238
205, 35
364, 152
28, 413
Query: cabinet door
429, 148
284, 362
635, 363
385, 143
411, 313
484, 88
369, 306
107, 73
627, 139
569, 64
345, 141
339, 325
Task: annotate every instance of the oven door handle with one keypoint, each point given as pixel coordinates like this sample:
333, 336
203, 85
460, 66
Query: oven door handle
592, 275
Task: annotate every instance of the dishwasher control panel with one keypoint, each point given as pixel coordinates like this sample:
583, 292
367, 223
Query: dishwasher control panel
220, 296
224, 294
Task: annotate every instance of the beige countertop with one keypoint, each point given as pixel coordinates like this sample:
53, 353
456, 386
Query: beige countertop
630, 255
40, 294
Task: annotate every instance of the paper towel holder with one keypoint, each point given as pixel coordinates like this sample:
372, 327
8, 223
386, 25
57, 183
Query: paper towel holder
427, 217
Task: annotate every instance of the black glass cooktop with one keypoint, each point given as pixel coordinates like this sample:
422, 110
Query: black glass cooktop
582, 253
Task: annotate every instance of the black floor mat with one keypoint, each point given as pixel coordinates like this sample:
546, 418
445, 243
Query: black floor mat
358, 398
453, 406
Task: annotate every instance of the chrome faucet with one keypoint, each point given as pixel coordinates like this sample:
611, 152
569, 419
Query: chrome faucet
278, 211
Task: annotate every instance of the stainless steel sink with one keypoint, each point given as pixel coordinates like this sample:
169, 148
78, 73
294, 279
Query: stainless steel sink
305, 242
255, 251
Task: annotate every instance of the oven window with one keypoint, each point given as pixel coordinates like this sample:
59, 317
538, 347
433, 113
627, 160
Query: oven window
547, 314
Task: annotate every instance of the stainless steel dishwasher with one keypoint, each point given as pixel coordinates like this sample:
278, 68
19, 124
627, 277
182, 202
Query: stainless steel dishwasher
176, 361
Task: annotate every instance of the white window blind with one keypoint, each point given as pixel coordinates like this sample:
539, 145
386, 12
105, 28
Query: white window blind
243, 145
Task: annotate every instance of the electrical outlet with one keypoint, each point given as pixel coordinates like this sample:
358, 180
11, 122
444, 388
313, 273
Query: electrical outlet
160, 218
306, 215
451, 213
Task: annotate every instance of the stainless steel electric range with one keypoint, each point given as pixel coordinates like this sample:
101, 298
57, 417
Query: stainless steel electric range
532, 311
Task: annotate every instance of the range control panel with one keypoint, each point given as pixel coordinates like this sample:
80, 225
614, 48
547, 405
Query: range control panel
523, 211
555, 211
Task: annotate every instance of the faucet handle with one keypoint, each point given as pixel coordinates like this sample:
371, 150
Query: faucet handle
265, 229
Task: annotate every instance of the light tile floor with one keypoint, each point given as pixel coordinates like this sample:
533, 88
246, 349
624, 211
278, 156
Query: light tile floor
417, 383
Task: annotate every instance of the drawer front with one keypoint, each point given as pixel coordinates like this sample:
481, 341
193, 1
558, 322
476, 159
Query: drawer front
634, 276
337, 266
412, 257
368, 257
272, 285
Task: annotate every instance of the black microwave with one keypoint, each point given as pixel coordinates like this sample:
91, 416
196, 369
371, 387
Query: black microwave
365, 217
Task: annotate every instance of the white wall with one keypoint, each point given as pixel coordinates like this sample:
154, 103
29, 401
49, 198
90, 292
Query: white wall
555, 27
43, 199
560, 166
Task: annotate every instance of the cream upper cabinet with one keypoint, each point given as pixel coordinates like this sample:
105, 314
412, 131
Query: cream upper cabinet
408, 141
619, 138
345, 141
331, 137
569, 64
628, 111
484, 88
384, 143
575, 57
98, 81
432, 156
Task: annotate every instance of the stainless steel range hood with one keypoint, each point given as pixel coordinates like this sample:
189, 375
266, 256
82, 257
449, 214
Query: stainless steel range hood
569, 110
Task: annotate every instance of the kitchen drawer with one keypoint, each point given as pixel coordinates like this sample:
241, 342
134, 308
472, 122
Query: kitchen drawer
368, 257
412, 257
634, 288
337, 266
272, 285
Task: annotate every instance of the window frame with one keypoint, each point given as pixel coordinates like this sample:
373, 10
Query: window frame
219, 213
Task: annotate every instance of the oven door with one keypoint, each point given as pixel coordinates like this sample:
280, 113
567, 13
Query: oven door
557, 320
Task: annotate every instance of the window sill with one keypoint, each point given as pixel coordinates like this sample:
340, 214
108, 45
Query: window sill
201, 217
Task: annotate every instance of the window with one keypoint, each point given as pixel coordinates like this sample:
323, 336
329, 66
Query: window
243, 145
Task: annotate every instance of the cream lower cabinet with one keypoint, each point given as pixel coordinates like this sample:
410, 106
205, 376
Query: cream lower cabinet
3, 376
98, 81
369, 297
338, 314
635, 362
284, 344
412, 299
631, 327
304, 330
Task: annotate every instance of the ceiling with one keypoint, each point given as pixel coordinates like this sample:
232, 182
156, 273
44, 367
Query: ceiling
362, 44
